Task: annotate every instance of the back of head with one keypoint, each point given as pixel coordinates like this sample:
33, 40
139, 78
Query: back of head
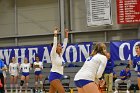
100, 48
127, 66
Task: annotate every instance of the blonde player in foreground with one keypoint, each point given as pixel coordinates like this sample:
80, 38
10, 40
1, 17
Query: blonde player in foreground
92, 71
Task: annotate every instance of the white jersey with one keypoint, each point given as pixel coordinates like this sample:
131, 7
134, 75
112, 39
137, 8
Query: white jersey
13, 69
25, 67
4, 72
40, 65
57, 60
93, 68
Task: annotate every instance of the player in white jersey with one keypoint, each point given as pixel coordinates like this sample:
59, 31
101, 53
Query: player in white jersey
91, 71
4, 74
57, 64
25, 67
38, 66
13, 70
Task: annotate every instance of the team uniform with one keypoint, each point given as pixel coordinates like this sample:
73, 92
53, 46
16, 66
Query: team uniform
125, 80
25, 69
108, 74
136, 64
57, 61
38, 70
92, 69
13, 69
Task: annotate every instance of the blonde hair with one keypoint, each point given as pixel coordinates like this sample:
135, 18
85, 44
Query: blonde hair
99, 48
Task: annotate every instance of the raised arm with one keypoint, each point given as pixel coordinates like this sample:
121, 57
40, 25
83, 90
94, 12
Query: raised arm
53, 51
65, 40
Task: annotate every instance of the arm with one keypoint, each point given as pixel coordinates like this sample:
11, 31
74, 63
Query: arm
41, 67
122, 76
53, 51
10, 68
65, 41
129, 75
102, 66
133, 62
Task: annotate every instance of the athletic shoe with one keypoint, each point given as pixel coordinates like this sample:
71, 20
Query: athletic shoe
36, 91
116, 91
127, 91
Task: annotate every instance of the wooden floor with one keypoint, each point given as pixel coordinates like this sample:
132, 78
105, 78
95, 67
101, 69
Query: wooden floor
77, 92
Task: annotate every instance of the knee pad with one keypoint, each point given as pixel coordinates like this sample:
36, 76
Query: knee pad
41, 82
21, 83
36, 83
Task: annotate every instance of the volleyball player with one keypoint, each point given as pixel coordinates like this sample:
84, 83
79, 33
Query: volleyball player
25, 67
56, 73
38, 66
136, 63
92, 71
13, 70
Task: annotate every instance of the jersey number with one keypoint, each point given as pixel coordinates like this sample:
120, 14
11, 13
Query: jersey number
89, 58
25, 67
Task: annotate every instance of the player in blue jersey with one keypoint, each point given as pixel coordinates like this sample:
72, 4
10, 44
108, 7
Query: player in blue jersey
136, 62
108, 73
125, 75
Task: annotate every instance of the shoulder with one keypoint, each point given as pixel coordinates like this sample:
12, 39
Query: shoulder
135, 57
122, 71
102, 57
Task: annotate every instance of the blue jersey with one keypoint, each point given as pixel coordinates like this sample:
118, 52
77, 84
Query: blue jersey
109, 66
136, 63
126, 74
1, 65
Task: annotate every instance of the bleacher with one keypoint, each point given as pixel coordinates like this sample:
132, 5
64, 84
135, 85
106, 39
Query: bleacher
71, 70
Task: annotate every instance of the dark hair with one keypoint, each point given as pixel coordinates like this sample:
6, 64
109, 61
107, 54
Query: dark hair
138, 45
37, 55
51, 44
99, 48
128, 66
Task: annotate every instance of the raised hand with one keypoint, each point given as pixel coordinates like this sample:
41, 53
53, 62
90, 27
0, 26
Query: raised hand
56, 30
66, 33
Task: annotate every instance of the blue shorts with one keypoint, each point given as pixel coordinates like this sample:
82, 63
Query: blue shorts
38, 72
82, 82
55, 75
25, 73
